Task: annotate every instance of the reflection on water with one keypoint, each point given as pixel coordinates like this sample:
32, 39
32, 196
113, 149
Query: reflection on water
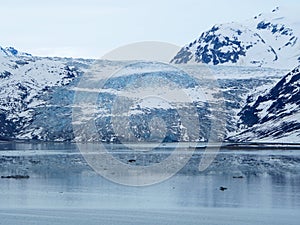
68, 182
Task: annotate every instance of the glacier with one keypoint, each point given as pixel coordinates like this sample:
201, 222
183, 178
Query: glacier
37, 98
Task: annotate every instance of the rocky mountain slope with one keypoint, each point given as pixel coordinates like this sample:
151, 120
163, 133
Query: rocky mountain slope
275, 115
28, 85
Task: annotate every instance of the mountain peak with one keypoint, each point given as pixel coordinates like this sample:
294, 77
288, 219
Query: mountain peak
11, 51
267, 40
276, 9
276, 12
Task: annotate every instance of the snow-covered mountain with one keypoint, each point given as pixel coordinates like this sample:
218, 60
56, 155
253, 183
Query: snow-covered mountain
275, 115
267, 40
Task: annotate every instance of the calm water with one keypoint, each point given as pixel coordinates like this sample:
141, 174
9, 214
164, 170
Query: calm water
63, 187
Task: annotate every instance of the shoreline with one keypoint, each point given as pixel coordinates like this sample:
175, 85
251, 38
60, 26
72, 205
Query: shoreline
166, 145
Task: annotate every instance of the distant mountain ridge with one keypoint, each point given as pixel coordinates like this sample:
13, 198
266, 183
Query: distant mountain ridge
267, 40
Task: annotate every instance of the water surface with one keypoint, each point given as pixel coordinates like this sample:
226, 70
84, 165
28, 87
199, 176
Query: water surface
62, 188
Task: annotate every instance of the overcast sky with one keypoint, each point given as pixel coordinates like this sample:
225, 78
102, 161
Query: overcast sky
91, 28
